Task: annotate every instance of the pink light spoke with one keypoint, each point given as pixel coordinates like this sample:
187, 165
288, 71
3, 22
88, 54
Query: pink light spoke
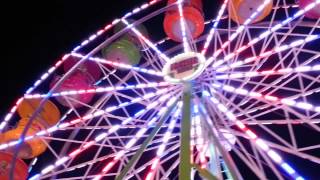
146, 40
98, 90
274, 99
120, 65
277, 49
183, 27
213, 29
64, 125
102, 136
238, 31
299, 69
273, 29
165, 139
275, 157
136, 137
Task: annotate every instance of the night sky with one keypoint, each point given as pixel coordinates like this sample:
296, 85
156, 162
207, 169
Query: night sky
36, 34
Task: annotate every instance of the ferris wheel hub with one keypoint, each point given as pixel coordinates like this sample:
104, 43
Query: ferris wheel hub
184, 67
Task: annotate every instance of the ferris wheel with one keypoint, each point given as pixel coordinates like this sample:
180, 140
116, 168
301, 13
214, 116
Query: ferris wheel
171, 91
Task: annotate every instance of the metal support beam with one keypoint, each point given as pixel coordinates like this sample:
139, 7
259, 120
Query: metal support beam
185, 166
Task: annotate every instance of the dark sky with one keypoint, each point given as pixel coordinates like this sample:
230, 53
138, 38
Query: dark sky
36, 33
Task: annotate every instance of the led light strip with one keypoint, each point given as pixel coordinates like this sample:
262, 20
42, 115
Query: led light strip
138, 135
259, 142
120, 65
165, 139
54, 67
61, 126
145, 39
98, 138
183, 27
265, 54
114, 22
257, 95
213, 29
238, 31
299, 69
98, 90
268, 32
200, 144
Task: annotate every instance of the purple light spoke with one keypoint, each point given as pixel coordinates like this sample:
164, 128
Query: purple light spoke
84, 118
100, 137
213, 29
98, 90
277, 49
275, 157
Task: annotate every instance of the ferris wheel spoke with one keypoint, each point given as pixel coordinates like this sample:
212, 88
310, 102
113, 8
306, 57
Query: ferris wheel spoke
271, 85
139, 153
99, 159
241, 152
161, 99
279, 86
279, 63
88, 144
84, 118
164, 158
130, 119
267, 54
120, 65
166, 111
162, 147
269, 98
151, 57
273, 29
183, 27
272, 100
291, 133
214, 27
281, 122
299, 69
99, 90
146, 40
238, 31
263, 127
276, 158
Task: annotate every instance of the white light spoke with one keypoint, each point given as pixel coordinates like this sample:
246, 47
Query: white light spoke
273, 99
214, 27
299, 69
82, 119
268, 53
146, 40
258, 141
98, 90
238, 31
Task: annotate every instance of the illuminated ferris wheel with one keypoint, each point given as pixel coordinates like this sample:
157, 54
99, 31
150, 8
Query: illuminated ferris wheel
171, 91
